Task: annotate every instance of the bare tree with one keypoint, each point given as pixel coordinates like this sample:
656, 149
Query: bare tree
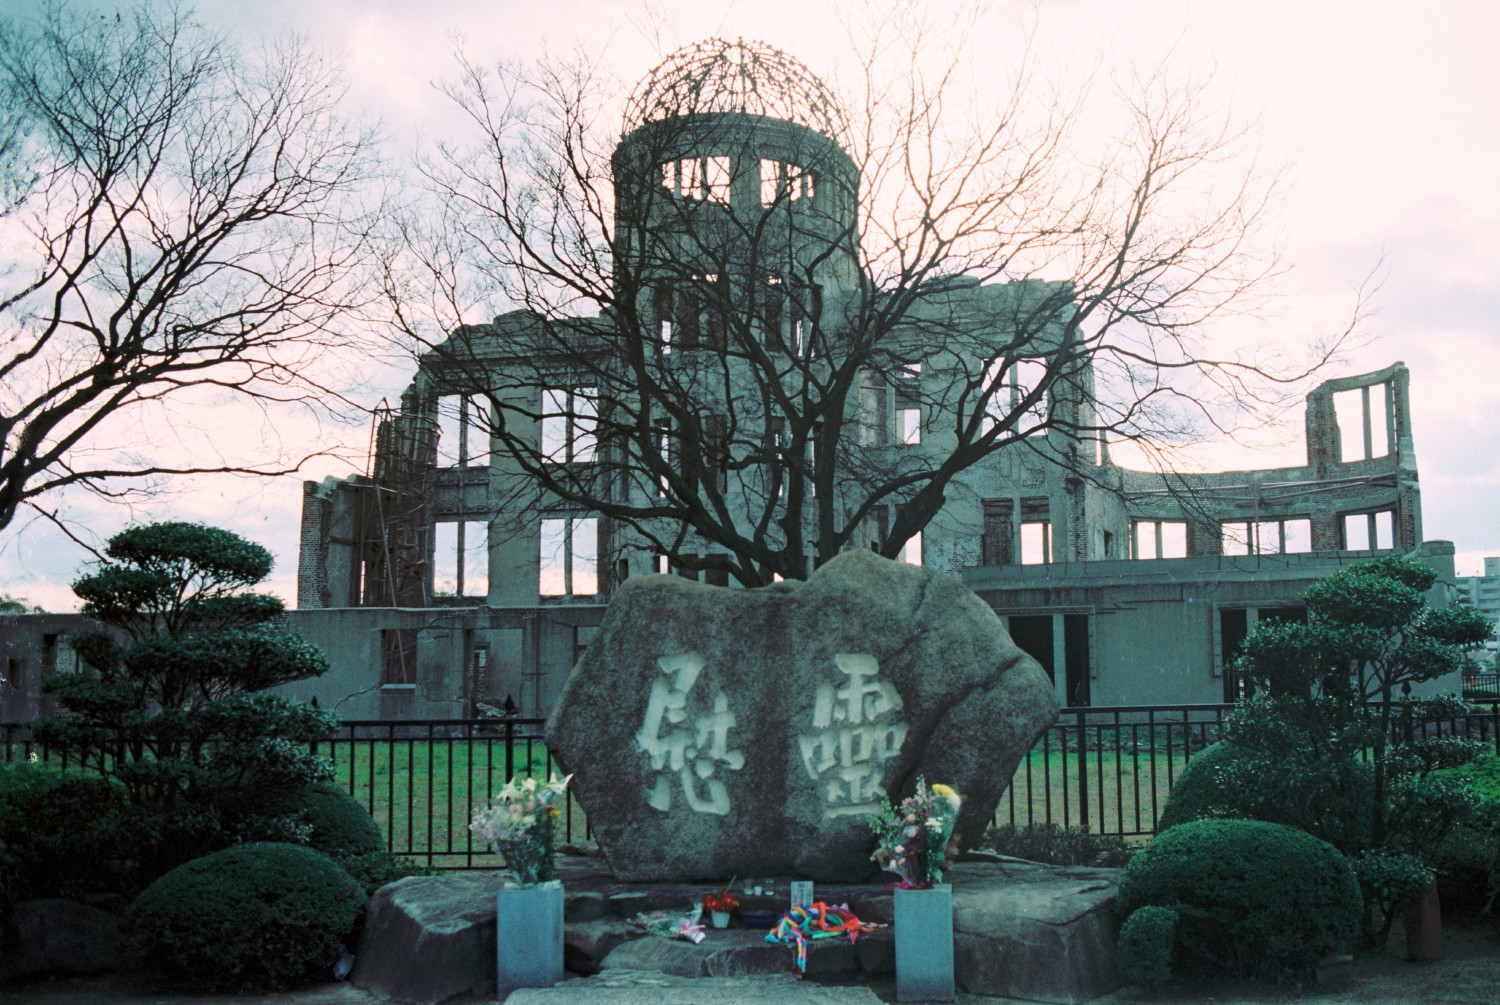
776, 342
176, 226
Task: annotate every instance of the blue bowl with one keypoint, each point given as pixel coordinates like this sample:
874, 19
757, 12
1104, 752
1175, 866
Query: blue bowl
761, 918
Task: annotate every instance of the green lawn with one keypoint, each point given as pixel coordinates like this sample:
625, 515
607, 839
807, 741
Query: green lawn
423, 793
1125, 790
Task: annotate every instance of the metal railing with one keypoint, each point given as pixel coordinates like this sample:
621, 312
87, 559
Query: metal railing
1106, 770
1487, 684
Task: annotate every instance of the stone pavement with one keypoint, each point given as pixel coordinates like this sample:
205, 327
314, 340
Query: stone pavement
635, 987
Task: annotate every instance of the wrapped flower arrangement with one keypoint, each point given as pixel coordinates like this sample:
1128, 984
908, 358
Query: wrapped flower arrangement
912, 838
667, 925
519, 826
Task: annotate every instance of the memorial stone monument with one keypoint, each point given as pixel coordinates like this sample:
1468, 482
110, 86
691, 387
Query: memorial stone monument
714, 731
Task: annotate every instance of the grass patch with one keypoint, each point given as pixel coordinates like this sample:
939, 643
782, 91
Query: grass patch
423, 793
1117, 791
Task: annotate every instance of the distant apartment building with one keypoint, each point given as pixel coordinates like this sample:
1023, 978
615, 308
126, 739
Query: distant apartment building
1483, 592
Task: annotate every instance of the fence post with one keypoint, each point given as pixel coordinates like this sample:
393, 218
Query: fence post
1083, 770
510, 747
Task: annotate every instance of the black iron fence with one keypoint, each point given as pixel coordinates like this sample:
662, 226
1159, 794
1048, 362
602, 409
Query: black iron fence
1484, 686
1107, 770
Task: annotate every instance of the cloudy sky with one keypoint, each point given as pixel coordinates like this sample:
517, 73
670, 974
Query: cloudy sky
1383, 111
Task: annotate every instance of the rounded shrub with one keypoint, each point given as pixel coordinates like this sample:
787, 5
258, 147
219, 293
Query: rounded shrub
1144, 949
340, 824
340, 827
257, 916
1253, 899
1227, 782
63, 832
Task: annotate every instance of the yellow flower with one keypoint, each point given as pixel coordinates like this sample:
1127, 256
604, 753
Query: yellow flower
947, 794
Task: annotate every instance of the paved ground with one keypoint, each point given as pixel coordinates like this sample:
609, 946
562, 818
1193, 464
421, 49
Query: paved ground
1469, 976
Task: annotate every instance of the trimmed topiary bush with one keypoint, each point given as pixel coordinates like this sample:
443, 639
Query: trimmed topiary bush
340, 823
1144, 949
1228, 782
1254, 899
258, 916
339, 826
66, 833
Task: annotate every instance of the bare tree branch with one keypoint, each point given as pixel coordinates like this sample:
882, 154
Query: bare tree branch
186, 223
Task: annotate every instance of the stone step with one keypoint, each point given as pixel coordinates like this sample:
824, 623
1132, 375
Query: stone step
637, 987
738, 952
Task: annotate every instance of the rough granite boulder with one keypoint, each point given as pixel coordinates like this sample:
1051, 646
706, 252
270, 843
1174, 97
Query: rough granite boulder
57, 936
1035, 933
429, 938
714, 732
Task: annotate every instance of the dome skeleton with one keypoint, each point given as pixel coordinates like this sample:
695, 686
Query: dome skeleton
717, 76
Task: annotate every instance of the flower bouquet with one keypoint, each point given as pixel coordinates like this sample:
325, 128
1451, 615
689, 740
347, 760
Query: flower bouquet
912, 838
667, 925
519, 826
720, 906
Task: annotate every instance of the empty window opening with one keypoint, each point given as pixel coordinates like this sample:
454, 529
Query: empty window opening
666, 455
781, 181
1266, 537
569, 565
1036, 530
1077, 667
911, 425
911, 551
715, 455
463, 430
460, 559
1032, 634
776, 454
1152, 539
1011, 383
398, 657
1234, 625
717, 575
1036, 543
570, 419
997, 546
690, 313
701, 178
1369, 531
770, 306
1363, 416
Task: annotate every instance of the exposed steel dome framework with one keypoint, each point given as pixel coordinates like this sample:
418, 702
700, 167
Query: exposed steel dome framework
718, 76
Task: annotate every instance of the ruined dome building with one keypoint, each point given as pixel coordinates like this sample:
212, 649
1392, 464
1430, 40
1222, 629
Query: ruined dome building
438, 575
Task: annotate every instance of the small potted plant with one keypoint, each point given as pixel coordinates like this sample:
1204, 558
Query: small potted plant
719, 906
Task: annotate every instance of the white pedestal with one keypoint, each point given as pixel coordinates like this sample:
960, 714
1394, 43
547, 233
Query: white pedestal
529, 937
924, 944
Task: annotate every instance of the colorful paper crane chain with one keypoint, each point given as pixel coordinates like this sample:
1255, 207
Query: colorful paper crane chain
816, 921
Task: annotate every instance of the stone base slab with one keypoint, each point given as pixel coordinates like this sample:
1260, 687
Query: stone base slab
1021, 930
